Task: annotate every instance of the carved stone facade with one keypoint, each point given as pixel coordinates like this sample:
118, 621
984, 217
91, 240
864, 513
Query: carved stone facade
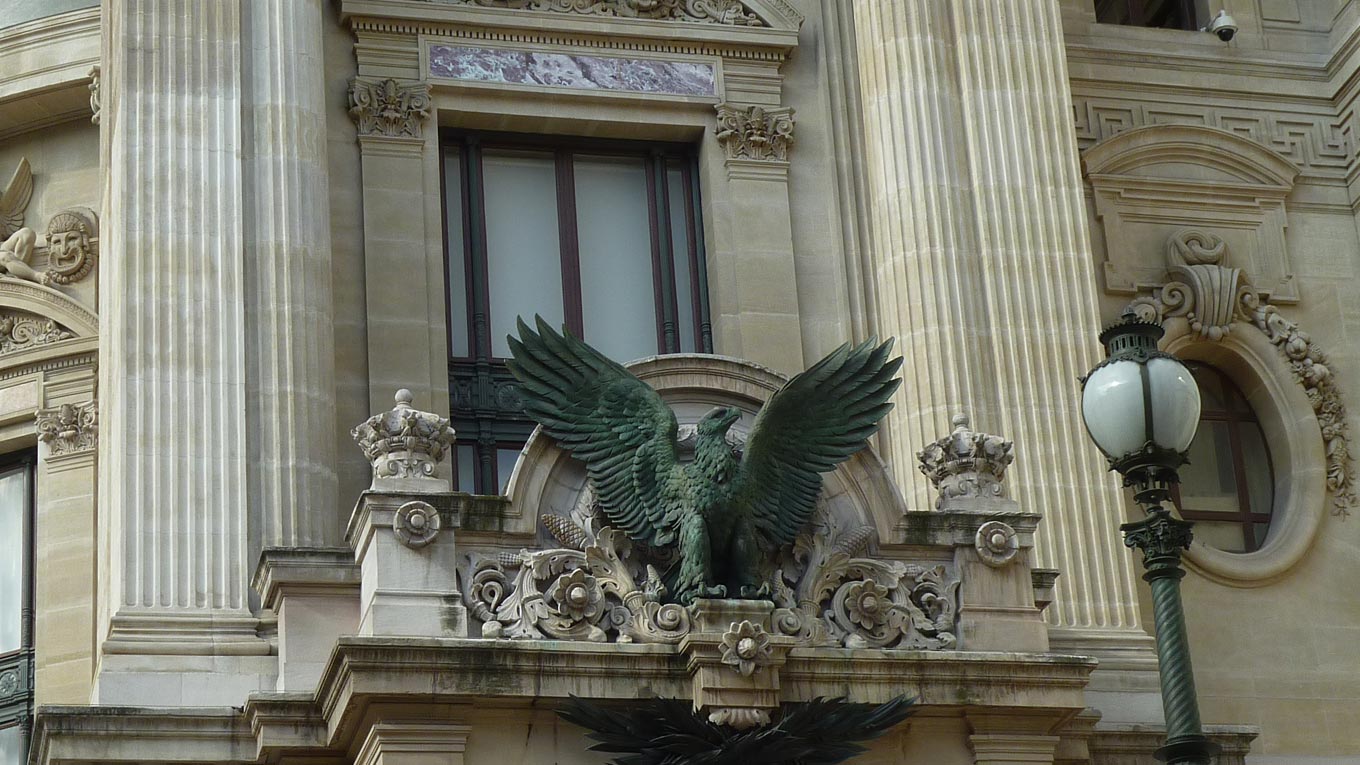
404, 443
1214, 298
755, 133
966, 463
389, 108
21, 331
69, 429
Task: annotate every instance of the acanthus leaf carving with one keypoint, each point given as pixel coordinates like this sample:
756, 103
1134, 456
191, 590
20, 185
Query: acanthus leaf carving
730, 12
389, 108
20, 331
754, 132
603, 586
69, 428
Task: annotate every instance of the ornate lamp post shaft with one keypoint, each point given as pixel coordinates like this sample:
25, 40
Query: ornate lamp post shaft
1161, 538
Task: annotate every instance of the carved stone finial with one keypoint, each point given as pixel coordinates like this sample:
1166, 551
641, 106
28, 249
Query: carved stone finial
69, 428
389, 108
966, 463
405, 443
755, 133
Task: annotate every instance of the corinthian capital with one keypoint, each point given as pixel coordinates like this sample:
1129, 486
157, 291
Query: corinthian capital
389, 108
755, 133
69, 428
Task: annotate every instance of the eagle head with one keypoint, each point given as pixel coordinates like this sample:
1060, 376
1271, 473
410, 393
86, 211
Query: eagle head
718, 420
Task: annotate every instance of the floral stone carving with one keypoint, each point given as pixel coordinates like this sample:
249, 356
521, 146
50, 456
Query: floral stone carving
704, 11
389, 108
746, 647
1214, 298
996, 543
966, 463
603, 586
404, 442
416, 523
21, 331
755, 133
69, 428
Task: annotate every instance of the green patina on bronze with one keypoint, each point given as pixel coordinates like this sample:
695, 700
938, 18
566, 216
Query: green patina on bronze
725, 513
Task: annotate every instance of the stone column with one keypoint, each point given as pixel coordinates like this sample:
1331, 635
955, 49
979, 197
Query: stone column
984, 269
290, 363
215, 368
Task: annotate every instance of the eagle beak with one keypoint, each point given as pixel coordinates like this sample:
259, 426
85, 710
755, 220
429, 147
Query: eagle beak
733, 414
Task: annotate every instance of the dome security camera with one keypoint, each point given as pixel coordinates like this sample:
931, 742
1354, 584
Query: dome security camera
1223, 25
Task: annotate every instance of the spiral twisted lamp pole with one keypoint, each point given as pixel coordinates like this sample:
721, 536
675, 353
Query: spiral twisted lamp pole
1141, 407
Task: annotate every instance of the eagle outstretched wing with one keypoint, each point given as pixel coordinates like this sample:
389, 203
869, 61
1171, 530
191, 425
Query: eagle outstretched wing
14, 199
811, 425
610, 420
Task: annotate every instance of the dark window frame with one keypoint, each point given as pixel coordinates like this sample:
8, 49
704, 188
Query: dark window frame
1157, 14
1236, 420
17, 710
485, 407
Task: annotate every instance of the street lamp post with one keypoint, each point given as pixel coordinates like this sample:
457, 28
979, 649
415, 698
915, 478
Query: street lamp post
1141, 407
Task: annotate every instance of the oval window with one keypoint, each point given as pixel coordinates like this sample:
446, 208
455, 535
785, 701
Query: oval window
1228, 489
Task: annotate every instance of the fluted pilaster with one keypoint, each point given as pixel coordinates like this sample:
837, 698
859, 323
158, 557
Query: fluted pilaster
984, 267
290, 363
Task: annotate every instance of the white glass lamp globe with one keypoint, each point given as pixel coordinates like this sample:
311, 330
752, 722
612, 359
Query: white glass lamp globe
1116, 399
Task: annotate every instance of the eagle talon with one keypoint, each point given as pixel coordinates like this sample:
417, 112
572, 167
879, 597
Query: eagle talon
751, 592
716, 591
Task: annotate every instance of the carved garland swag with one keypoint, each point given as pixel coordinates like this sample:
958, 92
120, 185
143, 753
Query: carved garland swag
1214, 298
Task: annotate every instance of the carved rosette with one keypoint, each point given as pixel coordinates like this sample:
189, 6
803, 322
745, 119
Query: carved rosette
966, 463
731, 12
755, 133
416, 524
389, 108
68, 429
9, 683
996, 543
1213, 298
746, 647
404, 442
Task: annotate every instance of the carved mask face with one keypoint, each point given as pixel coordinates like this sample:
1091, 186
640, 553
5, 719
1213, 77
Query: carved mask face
66, 247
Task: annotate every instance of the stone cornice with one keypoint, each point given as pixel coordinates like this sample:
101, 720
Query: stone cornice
47, 63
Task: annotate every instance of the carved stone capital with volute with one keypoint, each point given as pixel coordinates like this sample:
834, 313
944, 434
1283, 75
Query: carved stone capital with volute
755, 133
388, 108
966, 463
68, 429
405, 446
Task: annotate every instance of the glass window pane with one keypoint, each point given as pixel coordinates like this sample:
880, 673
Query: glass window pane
1256, 460
10, 741
466, 467
523, 255
1224, 535
1210, 388
13, 538
680, 244
618, 300
505, 465
1209, 483
458, 286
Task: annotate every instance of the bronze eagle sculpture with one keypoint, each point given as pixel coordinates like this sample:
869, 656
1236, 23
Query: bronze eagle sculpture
726, 513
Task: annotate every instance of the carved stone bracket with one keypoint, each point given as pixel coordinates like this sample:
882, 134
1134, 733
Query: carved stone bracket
389, 108
1214, 298
731, 12
966, 463
68, 429
94, 94
755, 133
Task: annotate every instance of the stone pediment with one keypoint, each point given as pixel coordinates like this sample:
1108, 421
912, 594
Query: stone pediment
1153, 181
751, 13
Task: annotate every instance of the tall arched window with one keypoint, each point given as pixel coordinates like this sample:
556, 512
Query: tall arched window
1228, 489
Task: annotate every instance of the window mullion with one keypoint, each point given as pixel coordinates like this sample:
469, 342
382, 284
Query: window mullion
663, 261
474, 203
698, 256
569, 243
